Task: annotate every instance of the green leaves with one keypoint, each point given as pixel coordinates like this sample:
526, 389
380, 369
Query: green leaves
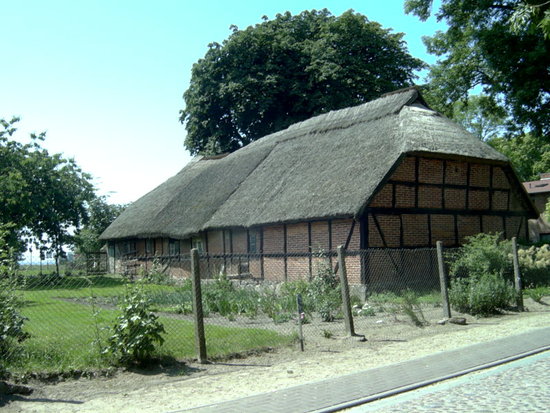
529, 154
11, 322
41, 194
279, 72
100, 215
485, 47
137, 330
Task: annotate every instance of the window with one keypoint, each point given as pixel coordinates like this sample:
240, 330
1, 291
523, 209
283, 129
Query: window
227, 241
149, 250
174, 247
252, 242
198, 244
128, 247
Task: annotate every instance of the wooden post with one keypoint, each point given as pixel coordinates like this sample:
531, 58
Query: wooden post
443, 281
300, 319
200, 340
348, 319
517, 275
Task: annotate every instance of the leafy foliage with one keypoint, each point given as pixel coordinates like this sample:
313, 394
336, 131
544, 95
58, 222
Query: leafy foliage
531, 15
482, 254
480, 116
483, 48
137, 329
529, 154
324, 292
535, 265
11, 322
100, 216
482, 295
42, 195
264, 78
481, 276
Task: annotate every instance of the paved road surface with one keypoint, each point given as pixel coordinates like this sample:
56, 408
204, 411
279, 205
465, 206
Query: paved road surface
521, 386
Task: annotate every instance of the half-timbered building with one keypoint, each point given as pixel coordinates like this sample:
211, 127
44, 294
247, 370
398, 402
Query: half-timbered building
391, 173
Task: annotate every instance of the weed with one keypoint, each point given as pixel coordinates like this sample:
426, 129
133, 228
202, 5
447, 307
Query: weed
537, 293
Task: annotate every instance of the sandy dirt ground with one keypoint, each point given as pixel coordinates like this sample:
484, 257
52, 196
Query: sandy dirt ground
191, 385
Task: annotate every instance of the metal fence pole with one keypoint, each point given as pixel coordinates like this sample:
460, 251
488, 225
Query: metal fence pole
200, 340
517, 275
443, 281
348, 318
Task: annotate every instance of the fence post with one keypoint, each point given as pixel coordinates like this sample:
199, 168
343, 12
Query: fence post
348, 319
300, 308
443, 281
200, 340
517, 275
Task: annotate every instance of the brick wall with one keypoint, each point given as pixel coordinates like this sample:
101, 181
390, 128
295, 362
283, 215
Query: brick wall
215, 242
297, 238
239, 241
430, 171
320, 236
274, 241
340, 233
454, 194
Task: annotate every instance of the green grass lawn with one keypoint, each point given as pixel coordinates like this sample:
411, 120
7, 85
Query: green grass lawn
64, 331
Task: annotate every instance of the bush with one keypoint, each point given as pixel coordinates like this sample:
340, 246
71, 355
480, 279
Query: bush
481, 295
481, 275
11, 322
136, 330
534, 265
323, 292
482, 254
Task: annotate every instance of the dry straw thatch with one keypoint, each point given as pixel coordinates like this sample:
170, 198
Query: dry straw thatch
326, 167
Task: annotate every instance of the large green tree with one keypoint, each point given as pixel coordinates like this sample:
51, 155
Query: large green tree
528, 154
43, 196
481, 116
281, 71
101, 214
485, 47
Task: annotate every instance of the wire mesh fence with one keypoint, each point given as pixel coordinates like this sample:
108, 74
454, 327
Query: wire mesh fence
249, 302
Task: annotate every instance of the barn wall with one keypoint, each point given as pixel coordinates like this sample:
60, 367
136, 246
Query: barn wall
424, 200
428, 200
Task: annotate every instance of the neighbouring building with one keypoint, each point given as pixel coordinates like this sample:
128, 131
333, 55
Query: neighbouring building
388, 174
539, 192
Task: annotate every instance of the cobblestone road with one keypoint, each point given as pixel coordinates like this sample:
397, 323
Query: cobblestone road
521, 386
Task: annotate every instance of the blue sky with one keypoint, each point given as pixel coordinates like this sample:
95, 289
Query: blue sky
105, 79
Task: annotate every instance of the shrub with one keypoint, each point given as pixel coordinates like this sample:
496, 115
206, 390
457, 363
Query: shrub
136, 331
535, 265
482, 254
323, 292
481, 276
481, 295
11, 322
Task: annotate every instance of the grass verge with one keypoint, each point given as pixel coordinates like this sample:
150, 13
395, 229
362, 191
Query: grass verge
66, 335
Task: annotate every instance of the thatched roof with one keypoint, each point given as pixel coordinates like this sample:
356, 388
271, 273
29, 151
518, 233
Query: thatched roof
328, 166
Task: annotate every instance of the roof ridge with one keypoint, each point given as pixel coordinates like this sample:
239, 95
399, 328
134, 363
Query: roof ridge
305, 130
